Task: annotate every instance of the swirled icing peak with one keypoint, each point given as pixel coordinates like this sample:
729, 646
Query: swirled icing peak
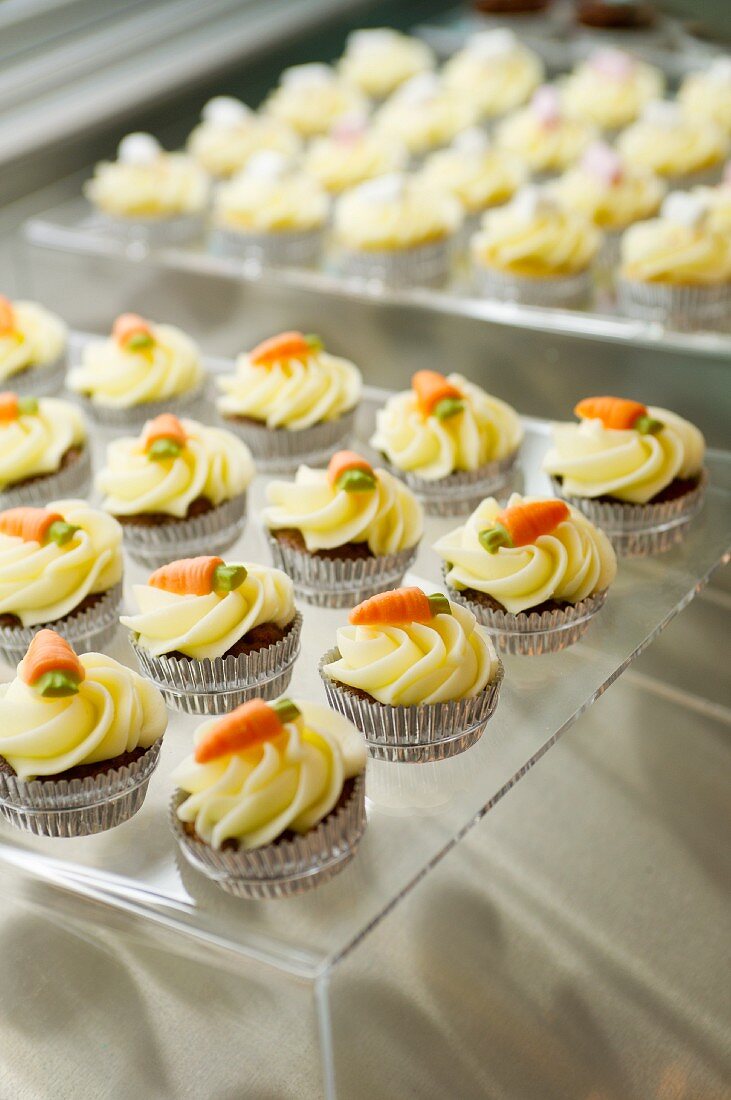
230, 134
670, 143
311, 98
147, 182
610, 88
35, 435
378, 60
684, 245
30, 336
495, 70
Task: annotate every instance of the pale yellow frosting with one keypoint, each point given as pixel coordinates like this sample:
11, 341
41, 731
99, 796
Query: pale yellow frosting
117, 377
207, 626
35, 443
717, 201
173, 184
394, 212
664, 251
343, 160
213, 464
311, 98
376, 61
424, 114
673, 146
290, 782
486, 430
114, 712
478, 178
389, 518
707, 94
450, 657
292, 393
575, 561
610, 101
498, 74
285, 200
611, 205
38, 339
544, 148
225, 148
41, 584
596, 461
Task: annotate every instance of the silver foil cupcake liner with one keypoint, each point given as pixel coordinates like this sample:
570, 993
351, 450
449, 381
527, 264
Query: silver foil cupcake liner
77, 807
281, 869
277, 450
39, 381
423, 265
136, 416
210, 533
152, 232
328, 582
567, 291
218, 686
418, 734
637, 530
296, 248
459, 493
68, 483
88, 630
683, 307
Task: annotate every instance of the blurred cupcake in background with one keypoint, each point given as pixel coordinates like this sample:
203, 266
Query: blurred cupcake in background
32, 348
311, 98
610, 89
44, 450
351, 154
495, 71
378, 60
717, 201
543, 135
707, 94
230, 133
685, 150
424, 114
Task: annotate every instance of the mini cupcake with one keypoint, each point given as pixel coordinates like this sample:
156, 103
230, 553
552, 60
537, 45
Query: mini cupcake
451, 442
351, 154
270, 213
635, 471
43, 450
533, 573
396, 232
415, 673
717, 202
707, 94
272, 800
543, 135
32, 348
342, 533
685, 150
160, 196
310, 99
230, 133
378, 60
290, 400
141, 370
475, 173
424, 114
79, 739
179, 488
495, 71
676, 269
211, 634
610, 89
61, 566
536, 251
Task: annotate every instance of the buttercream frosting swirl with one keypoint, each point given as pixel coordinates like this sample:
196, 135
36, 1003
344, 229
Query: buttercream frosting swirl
377, 60
574, 561
311, 98
229, 134
392, 212
545, 144
37, 339
165, 185
349, 156
663, 250
717, 202
270, 195
34, 443
450, 657
495, 70
610, 88
708, 94
671, 144
290, 782
43, 583
477, 177
612, 204
424, 114
115, 711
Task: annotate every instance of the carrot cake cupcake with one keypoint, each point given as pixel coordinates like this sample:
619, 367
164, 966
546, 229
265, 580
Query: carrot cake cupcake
610, 88
415, 673
272, 800
211, 634
62, 566
141, 369
495, 71
178, 488
475, 172
32, 348
543, 135
424, 114
311, 98
449, 440
79, 739
636, 471
230, 133
685, 150
534, 573
342, 533
351, 154
378, 60
44, 450
707, 94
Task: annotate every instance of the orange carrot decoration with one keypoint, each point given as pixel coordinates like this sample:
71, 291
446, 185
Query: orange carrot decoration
7, 316
435, 395
617, 412
36, 525
347, 470
251, 724
287, 345
164, 437
51, 667
522, 524
12, 406
133, 332
401, 605
198, 576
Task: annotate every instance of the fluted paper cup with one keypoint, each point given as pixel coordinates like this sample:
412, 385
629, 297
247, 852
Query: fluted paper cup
685, 307
68, 483
210, 533
134, 417
41, 380
398, 268
161, 232
88, 630
278, 450
569, 291
459, 493
293, 248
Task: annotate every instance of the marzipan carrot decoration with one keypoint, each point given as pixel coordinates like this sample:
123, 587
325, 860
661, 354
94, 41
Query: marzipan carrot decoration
287, 345
617, 412
522, 524
347, 470
12, 406
251, 724
36, 525
198, 576
164, 437
51, 667
401, 605
435, 395
133, 332
7, 316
